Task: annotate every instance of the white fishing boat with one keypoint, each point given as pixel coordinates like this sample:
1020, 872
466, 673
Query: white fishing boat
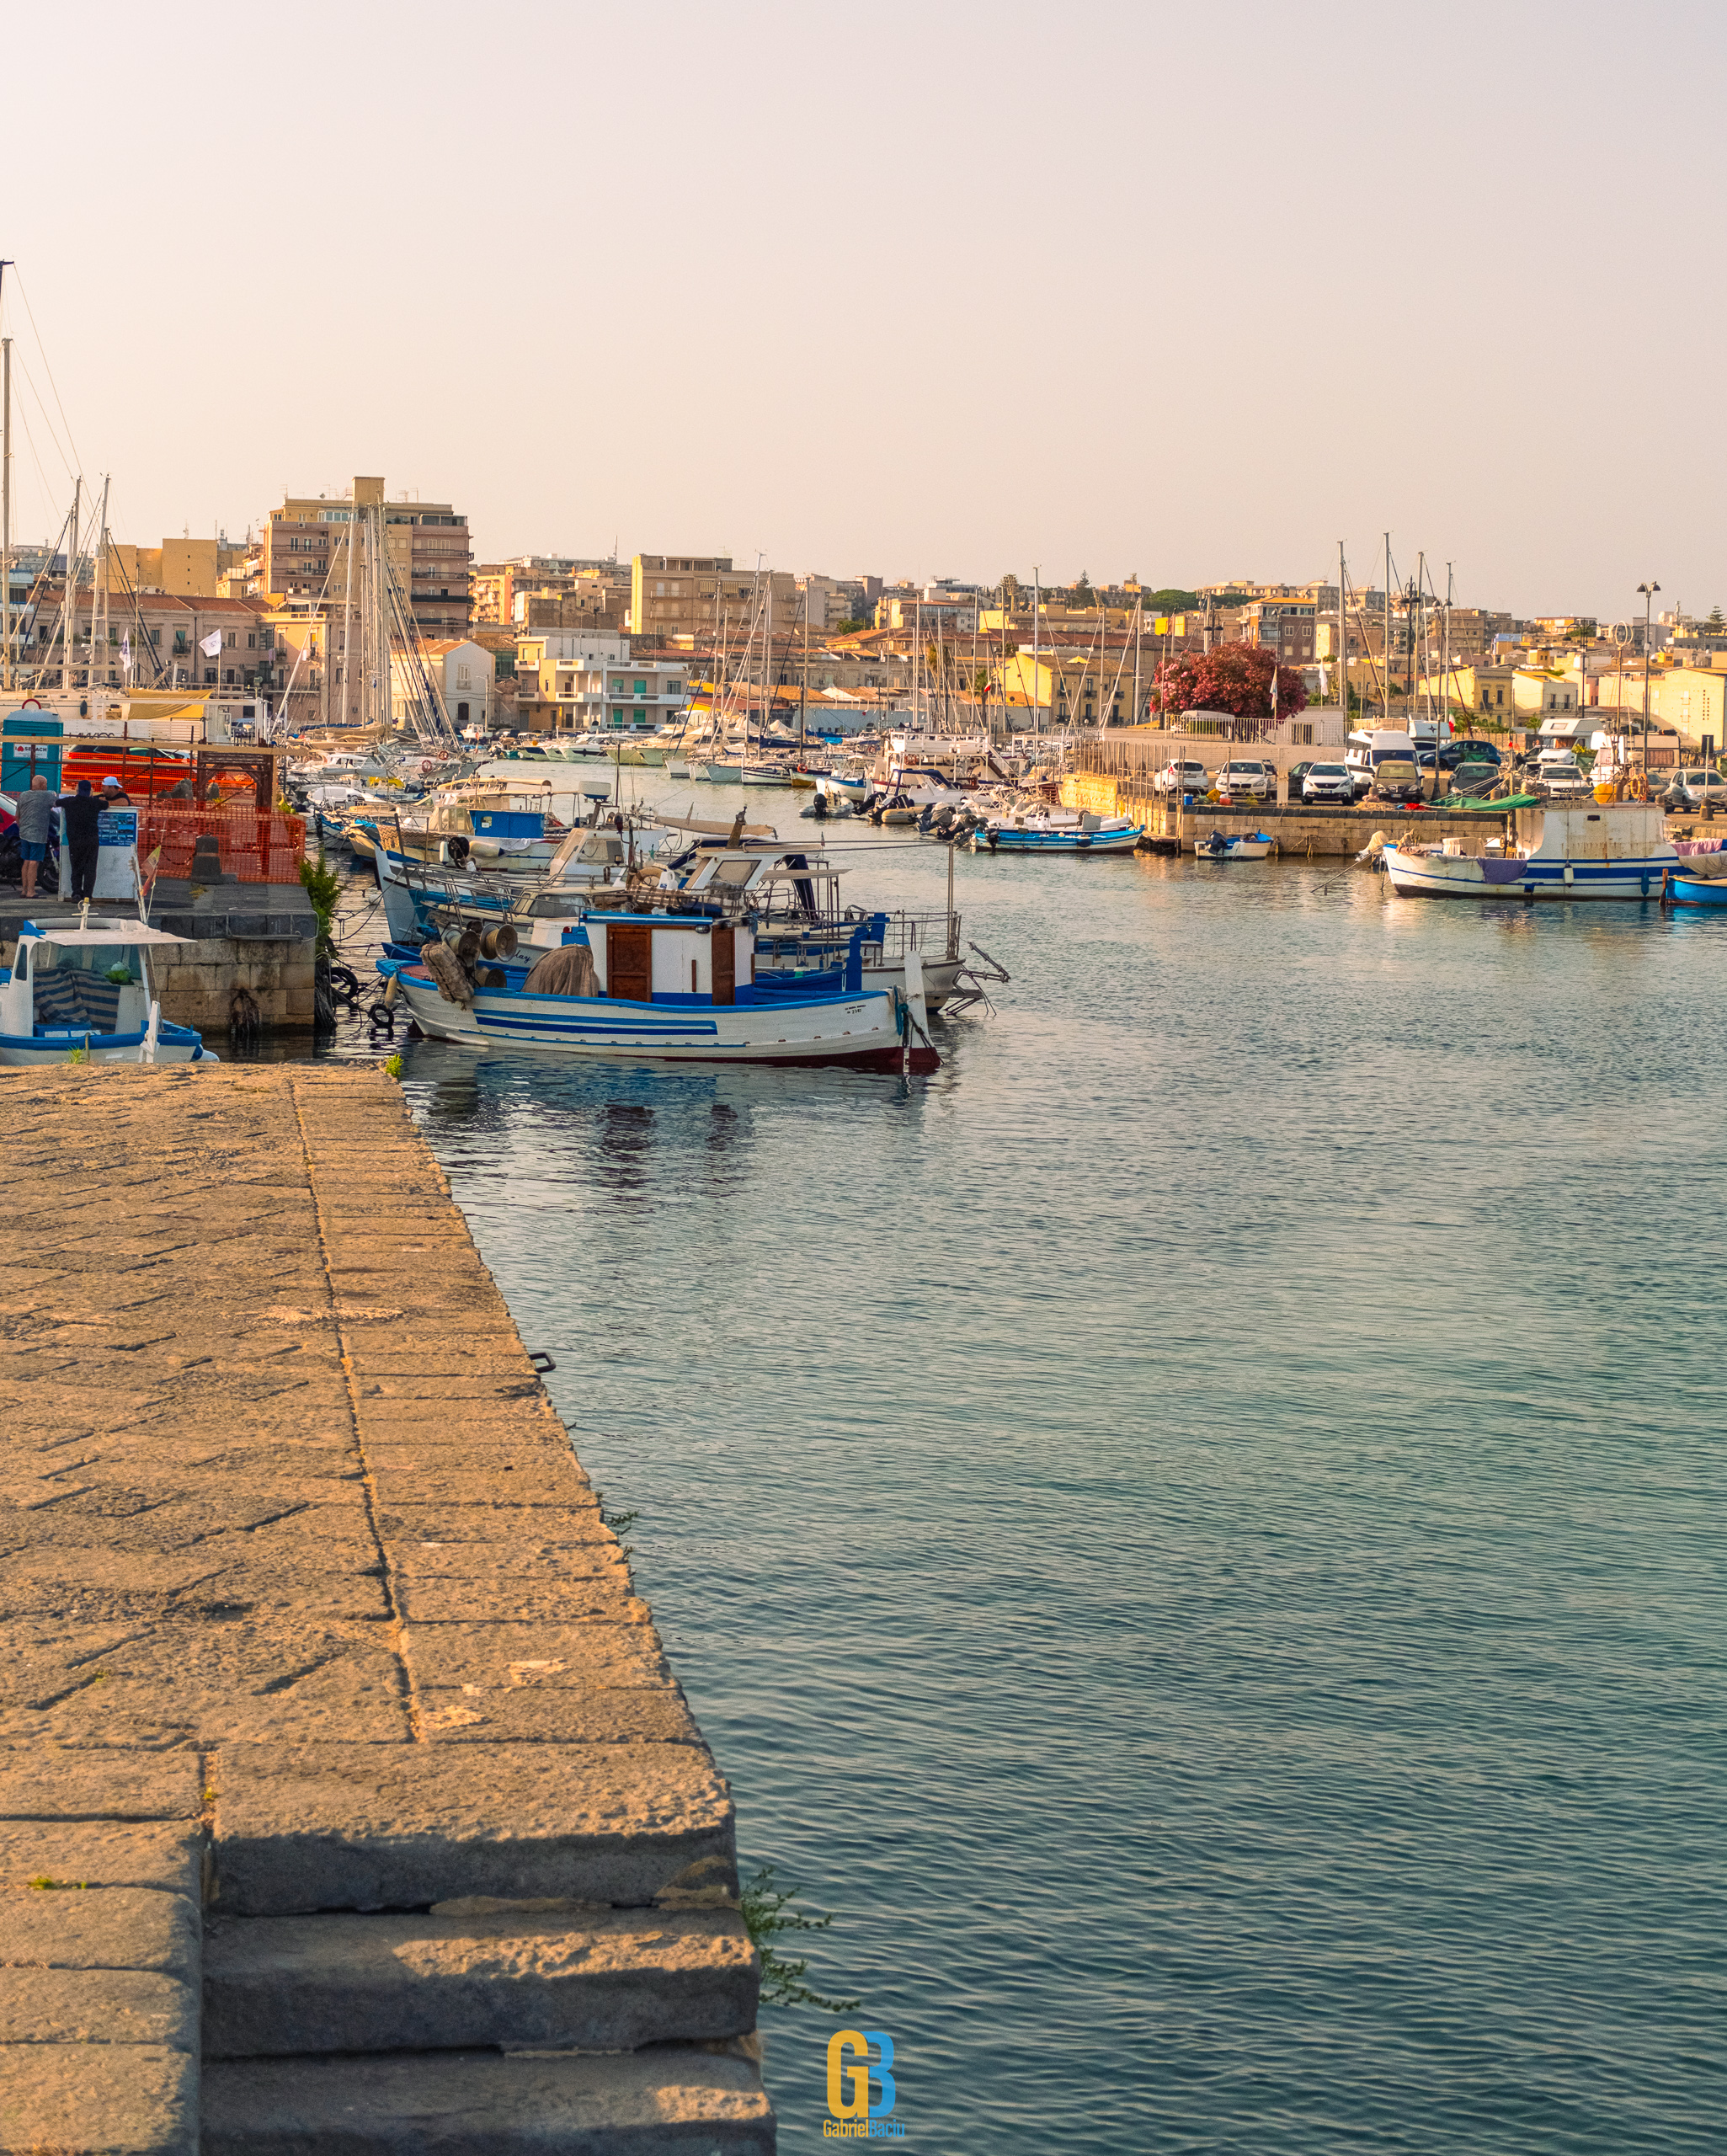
1220, 846
84, 991
670, 988
1604, 850
764, 774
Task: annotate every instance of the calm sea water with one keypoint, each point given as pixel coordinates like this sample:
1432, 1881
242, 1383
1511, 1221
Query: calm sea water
1196, 1533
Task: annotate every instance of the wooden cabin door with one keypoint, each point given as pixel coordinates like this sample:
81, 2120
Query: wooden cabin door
725, 965
629, 961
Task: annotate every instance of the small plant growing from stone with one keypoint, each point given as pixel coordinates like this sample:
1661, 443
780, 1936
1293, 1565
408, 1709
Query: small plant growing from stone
393, 1067
768, 1915
618, 1523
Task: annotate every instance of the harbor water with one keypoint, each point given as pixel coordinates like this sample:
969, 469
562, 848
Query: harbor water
1195, 1533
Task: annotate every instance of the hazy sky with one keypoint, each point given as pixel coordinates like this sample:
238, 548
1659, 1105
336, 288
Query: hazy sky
935, 289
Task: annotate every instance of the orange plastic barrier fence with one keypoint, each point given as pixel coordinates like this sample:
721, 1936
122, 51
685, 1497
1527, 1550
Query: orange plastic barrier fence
252, 849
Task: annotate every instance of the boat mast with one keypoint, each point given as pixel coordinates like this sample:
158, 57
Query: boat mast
1385, 684
1036, 667
1138, 624
1342, 644
99, 597
803, 688
348, 625
71, 587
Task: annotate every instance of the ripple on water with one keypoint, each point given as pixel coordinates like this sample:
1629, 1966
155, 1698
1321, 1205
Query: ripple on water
1197, 1534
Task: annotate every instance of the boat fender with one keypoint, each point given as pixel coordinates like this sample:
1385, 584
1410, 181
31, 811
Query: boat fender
1570, 877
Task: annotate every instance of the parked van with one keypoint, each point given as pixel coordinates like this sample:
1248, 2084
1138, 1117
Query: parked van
1386, 759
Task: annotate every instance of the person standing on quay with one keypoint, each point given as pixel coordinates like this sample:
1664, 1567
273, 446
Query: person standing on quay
82, 810
36, 827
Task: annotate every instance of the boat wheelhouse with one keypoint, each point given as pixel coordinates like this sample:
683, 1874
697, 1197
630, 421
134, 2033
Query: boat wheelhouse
1605, 850
85, 990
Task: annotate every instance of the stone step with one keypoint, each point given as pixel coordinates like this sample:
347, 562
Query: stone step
674, 2101
545, 1975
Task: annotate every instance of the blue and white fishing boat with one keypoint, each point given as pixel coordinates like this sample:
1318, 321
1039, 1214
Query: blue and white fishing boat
674, 986
1244, 846
1057, 831
84, 991
1608, 850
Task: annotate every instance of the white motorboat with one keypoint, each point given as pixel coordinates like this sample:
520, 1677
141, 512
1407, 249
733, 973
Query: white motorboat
1219, 845
1604, 850
84, 991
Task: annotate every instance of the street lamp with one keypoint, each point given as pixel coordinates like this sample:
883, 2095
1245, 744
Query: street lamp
1648, 591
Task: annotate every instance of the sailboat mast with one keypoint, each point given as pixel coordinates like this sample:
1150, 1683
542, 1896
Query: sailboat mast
1385, 685
1342, 641
804, 689
71, 587
1036, 666
99, 598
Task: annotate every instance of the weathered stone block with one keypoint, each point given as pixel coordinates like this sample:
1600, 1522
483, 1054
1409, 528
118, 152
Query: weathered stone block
379, 1827
669, 2102
104, 1928
580, 1978
98, 2100
101, 2006
57, 1784
169, 1858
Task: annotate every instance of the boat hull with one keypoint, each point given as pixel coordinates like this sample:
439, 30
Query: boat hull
174, 1044
1698, 891
860, 1030
1080, 842
1466, 876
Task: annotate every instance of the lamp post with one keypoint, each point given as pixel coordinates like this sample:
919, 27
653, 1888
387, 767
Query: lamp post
1647, 590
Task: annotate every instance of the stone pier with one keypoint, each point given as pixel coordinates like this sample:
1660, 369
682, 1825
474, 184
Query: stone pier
347, 1801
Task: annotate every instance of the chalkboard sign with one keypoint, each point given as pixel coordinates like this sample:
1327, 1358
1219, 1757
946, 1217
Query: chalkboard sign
117, 827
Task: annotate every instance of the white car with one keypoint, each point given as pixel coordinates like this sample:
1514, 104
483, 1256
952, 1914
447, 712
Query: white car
1182, 778
1248, 776
1329, 782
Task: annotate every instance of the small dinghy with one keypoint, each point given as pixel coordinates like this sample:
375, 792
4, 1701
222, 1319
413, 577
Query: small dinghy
1217, 847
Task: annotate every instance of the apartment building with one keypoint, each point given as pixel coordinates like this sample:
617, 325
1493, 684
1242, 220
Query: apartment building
464, 673
682, 594
304, 554
185, 567
572, 681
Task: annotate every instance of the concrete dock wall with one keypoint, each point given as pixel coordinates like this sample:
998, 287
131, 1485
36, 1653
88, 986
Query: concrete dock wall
1303, 832
347, 1799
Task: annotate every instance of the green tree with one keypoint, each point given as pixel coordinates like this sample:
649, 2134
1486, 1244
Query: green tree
1082, 591
1716, 623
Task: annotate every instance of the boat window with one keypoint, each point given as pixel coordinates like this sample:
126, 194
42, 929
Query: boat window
736, 872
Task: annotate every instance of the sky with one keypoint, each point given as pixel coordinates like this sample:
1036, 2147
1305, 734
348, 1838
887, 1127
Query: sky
935, 289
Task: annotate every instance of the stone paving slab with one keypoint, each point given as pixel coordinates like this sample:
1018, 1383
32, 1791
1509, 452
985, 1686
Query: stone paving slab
671, 2102
169, 1857
576, 1978
301, 1827
308, 1605
98, 2100
97, 2006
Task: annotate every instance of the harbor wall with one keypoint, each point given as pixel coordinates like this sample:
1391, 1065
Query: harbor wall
346, 1795
1305, 831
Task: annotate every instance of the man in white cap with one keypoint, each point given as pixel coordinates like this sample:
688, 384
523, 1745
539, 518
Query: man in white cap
114, 795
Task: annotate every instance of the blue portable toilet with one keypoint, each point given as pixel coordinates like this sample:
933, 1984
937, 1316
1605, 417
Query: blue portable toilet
29, 741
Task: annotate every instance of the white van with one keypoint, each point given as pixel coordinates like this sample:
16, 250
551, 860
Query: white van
1385, 759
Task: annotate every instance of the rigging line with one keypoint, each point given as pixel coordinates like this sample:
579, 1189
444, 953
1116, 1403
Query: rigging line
46, 362
35, 454
18, 361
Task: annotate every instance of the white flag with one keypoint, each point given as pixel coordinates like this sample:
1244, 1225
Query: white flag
212, 644
1274, 692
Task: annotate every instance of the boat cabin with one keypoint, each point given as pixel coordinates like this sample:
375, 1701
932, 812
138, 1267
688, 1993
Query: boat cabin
671, 958
84, 985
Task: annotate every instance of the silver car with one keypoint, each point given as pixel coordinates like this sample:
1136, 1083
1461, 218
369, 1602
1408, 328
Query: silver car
1692, 789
